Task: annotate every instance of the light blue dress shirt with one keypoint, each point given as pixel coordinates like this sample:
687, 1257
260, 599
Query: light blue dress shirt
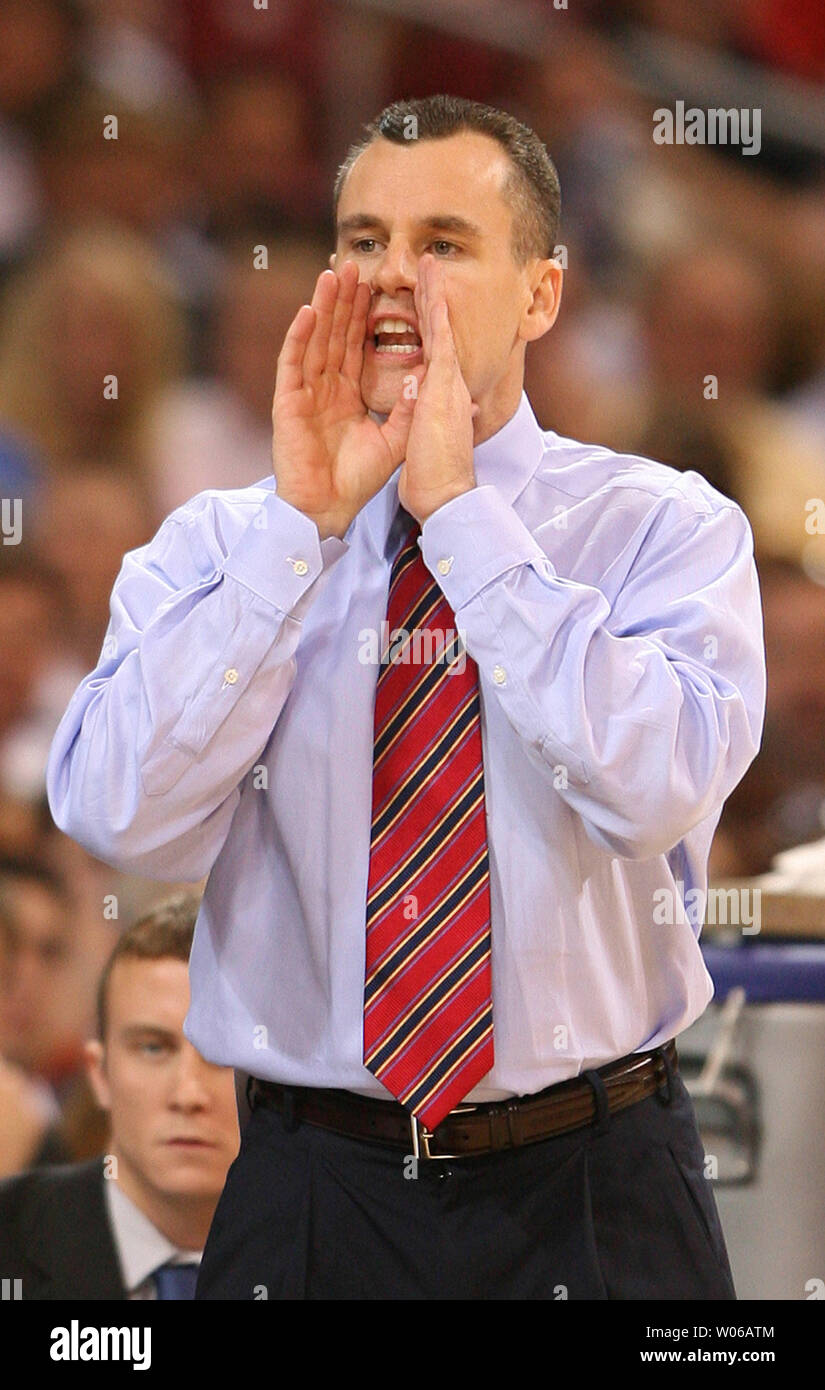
612, 606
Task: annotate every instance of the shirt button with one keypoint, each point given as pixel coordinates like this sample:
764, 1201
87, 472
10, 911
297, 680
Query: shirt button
499, 675
445, 565
299, 566
230, 677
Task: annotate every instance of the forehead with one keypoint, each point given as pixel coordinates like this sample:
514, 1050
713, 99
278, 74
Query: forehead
148, 991
462, 175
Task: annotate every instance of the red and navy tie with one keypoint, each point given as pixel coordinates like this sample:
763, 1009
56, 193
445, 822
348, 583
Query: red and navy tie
428, 1013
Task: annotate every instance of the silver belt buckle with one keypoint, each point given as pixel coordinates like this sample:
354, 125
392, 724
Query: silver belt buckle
422, 1137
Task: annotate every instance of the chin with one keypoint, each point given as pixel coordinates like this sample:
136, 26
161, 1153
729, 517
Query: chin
195, 1174
193, 1184
381, 388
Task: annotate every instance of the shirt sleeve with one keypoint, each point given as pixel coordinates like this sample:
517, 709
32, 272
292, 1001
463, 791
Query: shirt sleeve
197, 662
645, 711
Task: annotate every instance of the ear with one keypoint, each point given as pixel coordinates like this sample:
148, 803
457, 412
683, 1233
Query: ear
332, 261
94, 1057
543, 309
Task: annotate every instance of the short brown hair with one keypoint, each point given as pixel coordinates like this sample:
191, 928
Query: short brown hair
167, 930
532, 186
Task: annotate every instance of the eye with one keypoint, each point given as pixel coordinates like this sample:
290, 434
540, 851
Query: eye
443, 248
366, 244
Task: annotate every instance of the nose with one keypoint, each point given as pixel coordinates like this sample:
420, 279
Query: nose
397, 269
190, 1090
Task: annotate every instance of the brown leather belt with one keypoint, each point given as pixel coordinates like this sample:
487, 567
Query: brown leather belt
473, 1129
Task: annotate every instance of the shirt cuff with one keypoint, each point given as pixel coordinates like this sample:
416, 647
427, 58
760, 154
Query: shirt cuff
281, 554
473, 539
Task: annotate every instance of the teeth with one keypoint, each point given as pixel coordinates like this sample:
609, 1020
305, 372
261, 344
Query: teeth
392, 326
398, 347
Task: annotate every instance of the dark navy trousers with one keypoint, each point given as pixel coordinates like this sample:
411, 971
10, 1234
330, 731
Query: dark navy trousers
618, 1210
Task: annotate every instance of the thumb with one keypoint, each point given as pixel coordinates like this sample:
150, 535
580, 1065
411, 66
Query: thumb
396, 428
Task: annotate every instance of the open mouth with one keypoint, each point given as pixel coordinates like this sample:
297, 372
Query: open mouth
396, 337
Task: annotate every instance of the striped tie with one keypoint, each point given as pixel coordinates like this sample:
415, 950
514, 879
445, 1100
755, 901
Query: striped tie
428, 1015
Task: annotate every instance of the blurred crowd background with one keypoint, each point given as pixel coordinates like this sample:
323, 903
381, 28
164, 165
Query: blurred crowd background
138, 259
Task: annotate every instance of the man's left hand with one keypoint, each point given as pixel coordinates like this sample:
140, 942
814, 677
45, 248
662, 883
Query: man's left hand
439, 457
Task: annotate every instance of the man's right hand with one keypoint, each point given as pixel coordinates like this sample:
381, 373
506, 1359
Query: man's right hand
329, 456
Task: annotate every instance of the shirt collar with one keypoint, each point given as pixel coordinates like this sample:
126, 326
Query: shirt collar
141, 1247
507, 460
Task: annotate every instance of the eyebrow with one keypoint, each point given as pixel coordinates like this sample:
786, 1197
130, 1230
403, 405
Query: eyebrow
440, 222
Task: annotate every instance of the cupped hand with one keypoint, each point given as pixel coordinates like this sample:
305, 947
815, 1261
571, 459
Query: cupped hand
329, 456
439, 453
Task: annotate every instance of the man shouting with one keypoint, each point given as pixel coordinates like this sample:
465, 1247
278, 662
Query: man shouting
432, 930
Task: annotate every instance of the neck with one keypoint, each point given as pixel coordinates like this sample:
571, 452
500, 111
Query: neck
494, 416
